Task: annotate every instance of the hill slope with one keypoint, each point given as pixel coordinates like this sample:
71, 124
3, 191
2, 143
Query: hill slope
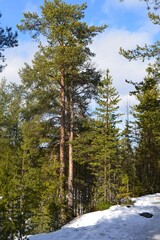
116, 223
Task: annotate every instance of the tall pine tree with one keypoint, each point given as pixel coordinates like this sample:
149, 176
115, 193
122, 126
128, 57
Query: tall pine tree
65, 54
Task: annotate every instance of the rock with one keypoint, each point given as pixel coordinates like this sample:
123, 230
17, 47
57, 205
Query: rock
146, 215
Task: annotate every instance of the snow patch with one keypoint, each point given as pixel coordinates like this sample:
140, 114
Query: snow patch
118, 222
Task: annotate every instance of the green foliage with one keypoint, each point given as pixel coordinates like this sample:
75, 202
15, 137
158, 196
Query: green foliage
147, 116
146, 113
123, 190
66, 34
107, 138
102, 206
59, 85
108, 166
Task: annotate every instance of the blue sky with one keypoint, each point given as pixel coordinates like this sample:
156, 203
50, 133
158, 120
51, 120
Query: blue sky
128, 25
128, 14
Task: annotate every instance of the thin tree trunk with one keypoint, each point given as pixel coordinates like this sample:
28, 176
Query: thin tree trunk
62, 149
105, 160
105, 178
70, 173
62, 129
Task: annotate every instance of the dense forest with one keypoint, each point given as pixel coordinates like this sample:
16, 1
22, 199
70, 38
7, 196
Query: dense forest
57, 159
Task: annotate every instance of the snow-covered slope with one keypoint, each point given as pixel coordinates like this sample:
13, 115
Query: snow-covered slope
116, 223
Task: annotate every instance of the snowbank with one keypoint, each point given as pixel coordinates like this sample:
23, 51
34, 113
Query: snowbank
116, 223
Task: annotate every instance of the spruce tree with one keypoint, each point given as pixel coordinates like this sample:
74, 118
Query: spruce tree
107, 138
85, 167
128, 157
146, 114
143, 112
97, 152
40, 133
10, 163
24, 179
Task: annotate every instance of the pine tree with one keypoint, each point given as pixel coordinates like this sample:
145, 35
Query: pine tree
66, 52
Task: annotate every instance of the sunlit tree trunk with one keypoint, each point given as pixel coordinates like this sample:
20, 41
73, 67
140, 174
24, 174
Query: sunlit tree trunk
62, 128
70, 173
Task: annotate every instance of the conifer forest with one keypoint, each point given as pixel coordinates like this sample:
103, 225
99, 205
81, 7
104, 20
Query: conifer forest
59, 159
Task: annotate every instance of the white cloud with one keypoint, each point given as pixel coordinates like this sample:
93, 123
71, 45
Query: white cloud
149, 27
32, 7
126, 4
132, 3
107, 45
126, 101
15, 59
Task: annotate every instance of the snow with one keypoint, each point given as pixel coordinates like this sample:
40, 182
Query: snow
116, 223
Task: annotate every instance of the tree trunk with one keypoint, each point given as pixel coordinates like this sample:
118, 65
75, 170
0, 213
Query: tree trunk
105, 178
105, 159
62, 129
70, 173
62, 151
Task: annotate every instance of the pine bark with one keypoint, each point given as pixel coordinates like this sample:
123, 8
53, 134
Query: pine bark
62, 131
70, 173
62, 149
